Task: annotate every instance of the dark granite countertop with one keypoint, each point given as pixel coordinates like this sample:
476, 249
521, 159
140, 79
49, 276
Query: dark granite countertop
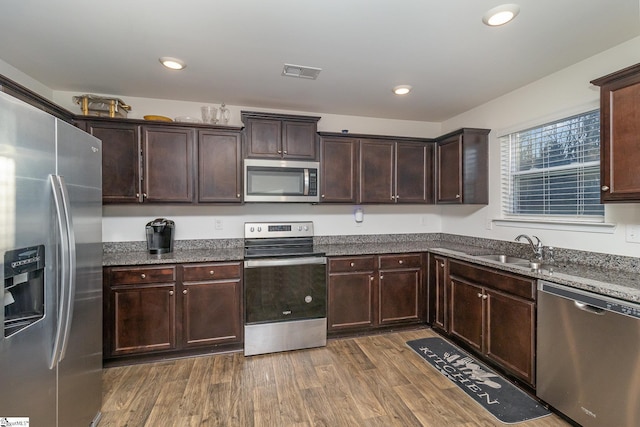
618, 277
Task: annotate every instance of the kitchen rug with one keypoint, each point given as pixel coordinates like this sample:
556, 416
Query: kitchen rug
502, 399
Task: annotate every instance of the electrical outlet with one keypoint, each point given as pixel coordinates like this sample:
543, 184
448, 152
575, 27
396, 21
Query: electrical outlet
633, 233
218, 224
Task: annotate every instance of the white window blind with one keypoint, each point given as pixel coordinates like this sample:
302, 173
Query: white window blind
553, 170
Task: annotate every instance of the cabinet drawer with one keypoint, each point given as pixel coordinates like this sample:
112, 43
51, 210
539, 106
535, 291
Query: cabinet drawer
215, 271
387, 262
346, 264
512, 284
143, 275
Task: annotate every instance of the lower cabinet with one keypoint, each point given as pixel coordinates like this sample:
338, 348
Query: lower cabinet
171, 308
494, 314
372, 291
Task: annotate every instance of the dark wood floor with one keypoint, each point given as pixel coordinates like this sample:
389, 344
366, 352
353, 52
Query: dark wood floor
365, 381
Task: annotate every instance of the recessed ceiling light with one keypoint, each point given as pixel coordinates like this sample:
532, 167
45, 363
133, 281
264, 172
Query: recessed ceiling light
402, 89
172, 63
500, 15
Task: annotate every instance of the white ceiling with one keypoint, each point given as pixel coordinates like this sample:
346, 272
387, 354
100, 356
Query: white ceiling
235, 49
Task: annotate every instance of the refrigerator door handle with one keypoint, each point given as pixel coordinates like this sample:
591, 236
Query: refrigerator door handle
67, 277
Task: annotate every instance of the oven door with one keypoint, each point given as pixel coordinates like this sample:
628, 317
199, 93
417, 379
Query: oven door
285, 289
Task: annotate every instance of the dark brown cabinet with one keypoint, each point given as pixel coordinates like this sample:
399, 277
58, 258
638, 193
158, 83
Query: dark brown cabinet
211, 304
139, 310
619, 129
171, 308
168, 164
400, 288
494, 314
280, 136
395, 172
462, 168
371, 291
219, 166
439, 292
338, 170
120, 160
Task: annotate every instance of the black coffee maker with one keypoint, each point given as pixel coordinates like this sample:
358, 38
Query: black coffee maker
160, 236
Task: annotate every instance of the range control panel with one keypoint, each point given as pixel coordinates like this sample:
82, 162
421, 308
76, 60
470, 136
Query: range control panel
259, 230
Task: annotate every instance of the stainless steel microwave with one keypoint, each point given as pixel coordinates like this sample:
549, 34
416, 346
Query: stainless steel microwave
281, 181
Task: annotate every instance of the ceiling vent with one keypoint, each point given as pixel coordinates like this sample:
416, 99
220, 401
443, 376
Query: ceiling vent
301, 71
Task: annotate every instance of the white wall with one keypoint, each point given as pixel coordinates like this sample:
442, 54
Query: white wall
557, 95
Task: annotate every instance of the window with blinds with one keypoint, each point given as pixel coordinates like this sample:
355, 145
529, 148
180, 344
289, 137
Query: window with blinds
553, 170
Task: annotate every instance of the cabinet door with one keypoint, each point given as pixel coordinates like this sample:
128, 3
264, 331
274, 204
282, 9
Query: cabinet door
467, 316
414, 173
399, 296
377, 171
510, 333
264, 138
299, 140
143, 318
169, 172
211, 312
350, 300
449, 169
338, 173
219, 166
439, 276
120, 161
620, 118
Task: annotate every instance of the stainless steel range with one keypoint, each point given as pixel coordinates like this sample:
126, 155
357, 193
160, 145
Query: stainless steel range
285, 289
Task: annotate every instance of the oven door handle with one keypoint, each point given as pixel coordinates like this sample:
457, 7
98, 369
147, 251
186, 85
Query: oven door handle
254, 263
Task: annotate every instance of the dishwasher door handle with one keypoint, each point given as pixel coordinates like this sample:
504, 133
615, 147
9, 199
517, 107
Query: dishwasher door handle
589, 308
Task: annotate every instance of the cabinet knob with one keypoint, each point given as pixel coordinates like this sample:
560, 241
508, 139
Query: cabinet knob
238, 195
184, 291
211, 273
457, 196
381, 277
137, 195
397, 196
485, 296
170, 292
392, 197
400, 261
143, 276
285, 151
442, 264
279, 151
371, 278
144, 195
322, 196
352, 264
479, 295
605, 188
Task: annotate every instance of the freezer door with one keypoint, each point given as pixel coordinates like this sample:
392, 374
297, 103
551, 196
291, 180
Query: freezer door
27, 158
79, 163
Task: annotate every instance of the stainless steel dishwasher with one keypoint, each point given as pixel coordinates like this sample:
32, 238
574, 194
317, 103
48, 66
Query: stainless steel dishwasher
588, 359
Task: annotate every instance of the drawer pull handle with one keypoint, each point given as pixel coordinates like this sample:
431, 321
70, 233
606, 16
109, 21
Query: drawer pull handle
457, 196
353, 264
485, 296
143, 276
170, 292
400, 262
184, 292
381, 277
371, 278
479, 295
211, 272
605, 188
442, 264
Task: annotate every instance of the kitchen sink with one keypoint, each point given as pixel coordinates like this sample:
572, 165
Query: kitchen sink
505, 259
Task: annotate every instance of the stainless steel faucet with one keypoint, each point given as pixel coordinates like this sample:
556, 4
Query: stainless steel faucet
537, 248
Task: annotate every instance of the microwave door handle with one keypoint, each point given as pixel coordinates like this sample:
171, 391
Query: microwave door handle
306, 182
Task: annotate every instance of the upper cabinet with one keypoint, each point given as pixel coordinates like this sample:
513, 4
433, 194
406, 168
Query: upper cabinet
619, 129
280, 136
462, 167
375, 169
146, 162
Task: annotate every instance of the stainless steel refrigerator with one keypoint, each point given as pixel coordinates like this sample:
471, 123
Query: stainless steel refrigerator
50, 241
